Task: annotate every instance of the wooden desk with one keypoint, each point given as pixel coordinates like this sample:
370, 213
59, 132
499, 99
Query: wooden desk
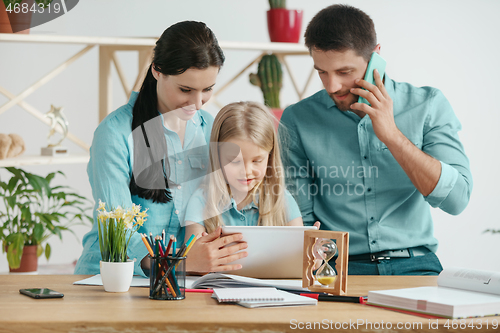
91, 309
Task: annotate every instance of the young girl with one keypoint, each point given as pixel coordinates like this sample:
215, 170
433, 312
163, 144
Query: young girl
246, 186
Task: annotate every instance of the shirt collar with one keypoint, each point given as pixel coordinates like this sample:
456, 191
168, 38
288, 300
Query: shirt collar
247, 207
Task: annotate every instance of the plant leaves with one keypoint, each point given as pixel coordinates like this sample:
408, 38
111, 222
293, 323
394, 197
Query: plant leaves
38, 232
48, 250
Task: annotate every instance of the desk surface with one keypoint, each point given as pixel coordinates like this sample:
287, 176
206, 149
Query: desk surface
91, 309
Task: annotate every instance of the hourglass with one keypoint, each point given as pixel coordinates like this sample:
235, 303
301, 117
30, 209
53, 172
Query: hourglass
326, 249
326, 243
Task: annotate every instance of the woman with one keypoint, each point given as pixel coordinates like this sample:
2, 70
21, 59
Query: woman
153, 151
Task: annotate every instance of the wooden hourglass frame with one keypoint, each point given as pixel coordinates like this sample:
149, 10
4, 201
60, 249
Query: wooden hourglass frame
342, 242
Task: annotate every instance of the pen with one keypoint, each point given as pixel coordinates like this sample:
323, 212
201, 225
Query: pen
336, 298
208, 291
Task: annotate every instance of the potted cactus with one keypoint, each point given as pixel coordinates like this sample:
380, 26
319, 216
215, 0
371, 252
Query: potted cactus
269, 78
284, 25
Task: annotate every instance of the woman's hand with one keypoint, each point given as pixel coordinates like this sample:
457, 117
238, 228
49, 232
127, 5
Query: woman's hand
211, 252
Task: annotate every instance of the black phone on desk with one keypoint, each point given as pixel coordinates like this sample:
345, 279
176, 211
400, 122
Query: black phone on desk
376, 62
41, 293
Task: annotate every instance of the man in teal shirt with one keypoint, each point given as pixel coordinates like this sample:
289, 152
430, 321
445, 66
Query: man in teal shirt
373, 171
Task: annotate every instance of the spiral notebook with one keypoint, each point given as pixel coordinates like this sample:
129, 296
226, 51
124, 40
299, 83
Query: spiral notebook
247, 294
261, 297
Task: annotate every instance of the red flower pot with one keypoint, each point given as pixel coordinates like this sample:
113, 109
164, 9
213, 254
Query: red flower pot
29, 260
16, 22
284, 25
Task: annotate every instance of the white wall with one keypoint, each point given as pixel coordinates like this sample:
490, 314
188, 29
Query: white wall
451, 45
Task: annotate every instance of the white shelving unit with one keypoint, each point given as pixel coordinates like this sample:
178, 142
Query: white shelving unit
44, 160
108, 46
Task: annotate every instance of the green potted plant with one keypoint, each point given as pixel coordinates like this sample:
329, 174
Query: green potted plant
284, 25
34, 210
269, 78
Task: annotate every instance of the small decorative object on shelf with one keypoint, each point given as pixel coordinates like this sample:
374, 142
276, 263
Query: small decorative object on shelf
56, 117
269, 79
11, 145
34, 211
115, 229
284, 25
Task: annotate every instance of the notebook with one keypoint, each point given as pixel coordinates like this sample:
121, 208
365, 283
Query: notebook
461, 293
220, 280
247, 294
274, 252
289, 299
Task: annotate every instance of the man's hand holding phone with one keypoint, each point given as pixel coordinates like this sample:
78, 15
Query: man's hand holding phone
380, 109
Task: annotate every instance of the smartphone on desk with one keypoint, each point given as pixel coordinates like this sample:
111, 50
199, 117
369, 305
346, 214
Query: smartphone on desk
376, 62
41, 293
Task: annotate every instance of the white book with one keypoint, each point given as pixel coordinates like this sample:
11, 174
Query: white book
460, 293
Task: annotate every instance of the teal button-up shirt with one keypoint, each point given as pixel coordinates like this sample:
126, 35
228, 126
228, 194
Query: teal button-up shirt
247, 216
342, 175
110, 171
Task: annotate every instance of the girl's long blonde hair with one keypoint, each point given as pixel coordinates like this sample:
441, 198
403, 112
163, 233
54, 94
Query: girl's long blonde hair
254, 122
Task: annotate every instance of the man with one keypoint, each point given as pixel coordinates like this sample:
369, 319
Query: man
373, 171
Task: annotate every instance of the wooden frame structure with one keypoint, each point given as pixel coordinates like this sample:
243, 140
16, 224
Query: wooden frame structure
108, 47
341, 264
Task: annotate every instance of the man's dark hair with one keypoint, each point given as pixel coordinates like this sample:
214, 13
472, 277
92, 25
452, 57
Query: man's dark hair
340, 28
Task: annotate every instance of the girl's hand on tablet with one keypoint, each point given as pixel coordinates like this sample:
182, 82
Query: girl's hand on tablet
211, 252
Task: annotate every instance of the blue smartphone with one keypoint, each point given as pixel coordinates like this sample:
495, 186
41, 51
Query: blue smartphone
376, 62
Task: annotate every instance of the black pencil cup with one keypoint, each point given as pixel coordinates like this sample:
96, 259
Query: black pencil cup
168, 278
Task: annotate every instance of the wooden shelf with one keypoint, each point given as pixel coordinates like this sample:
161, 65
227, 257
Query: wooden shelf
44, 160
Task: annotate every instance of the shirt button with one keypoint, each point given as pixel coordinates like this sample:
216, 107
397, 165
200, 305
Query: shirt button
176, 212
242, 218
179, 162
369, 189
374, 242
179, 187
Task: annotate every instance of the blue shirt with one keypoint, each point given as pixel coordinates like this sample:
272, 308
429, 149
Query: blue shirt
247, 216
110, 172
342, 175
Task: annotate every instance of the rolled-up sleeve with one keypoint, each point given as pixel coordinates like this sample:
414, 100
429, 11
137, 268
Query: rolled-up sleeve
441, 141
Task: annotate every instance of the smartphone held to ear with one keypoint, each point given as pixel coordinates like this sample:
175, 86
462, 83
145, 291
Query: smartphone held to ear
376, 62
41, 293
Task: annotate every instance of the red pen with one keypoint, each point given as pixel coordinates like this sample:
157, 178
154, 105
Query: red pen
208, 291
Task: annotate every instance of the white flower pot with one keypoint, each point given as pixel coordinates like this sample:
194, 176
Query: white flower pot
116, 276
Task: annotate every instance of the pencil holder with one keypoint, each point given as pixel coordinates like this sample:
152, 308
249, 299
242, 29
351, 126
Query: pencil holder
168, 278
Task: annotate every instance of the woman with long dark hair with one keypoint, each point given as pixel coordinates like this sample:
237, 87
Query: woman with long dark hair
153, 151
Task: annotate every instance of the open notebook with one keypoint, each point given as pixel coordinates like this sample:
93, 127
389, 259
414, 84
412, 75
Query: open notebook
461, 293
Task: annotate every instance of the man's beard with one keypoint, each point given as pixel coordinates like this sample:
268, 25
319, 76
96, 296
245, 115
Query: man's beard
344, 105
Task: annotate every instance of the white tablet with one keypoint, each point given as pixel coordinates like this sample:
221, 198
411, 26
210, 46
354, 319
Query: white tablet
273, 252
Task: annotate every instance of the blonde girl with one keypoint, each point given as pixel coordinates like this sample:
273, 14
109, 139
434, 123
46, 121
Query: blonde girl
246, 185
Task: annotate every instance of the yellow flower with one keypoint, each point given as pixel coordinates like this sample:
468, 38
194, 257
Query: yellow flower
118, 213
136, 209
128, 221
102, 206
140, 220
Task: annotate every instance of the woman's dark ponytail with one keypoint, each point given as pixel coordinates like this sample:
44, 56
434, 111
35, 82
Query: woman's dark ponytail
184, 45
